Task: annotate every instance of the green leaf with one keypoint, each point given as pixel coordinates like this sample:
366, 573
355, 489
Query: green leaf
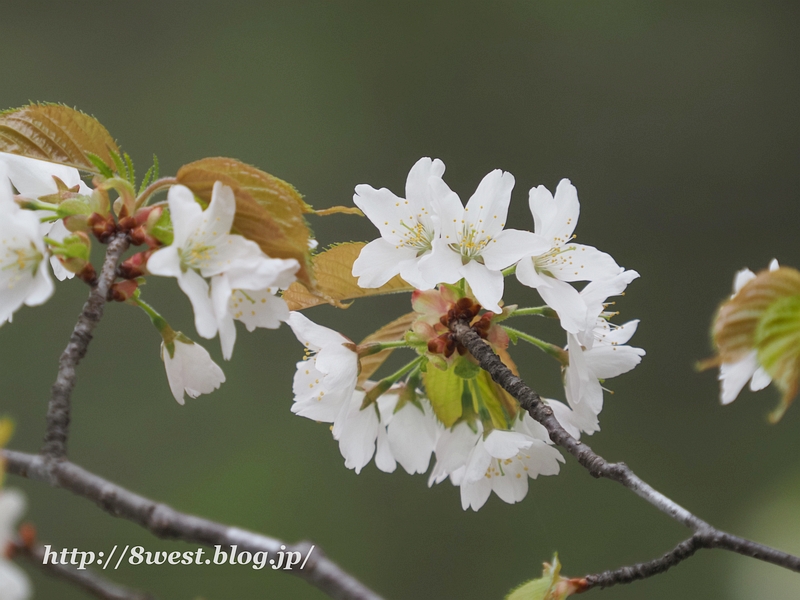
57, 134
444, 389
465, 368
777, 340
269, 211
333, 270
551, 586
502, 407
102, 167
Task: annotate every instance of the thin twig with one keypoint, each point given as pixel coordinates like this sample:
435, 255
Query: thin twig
705, 535
647, 569
166, 522
58, 410
92, 582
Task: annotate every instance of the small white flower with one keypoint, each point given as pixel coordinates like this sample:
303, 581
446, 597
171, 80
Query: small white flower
407, 227
550, 271
471, 242
203, 247
501, 462
14, 583
734, 376
609, 357
325, 380
406, 436
190, 369
248, 295
24, 276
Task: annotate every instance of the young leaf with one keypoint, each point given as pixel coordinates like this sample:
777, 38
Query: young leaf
58, 134
269, 211
335, 282
551, 586
388, 333
444, 390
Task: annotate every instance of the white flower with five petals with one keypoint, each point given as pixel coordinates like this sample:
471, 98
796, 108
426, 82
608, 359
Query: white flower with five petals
501, 462
550, 271
248, 295
471, 242
203, 247
325, 380
24, 276
407, 227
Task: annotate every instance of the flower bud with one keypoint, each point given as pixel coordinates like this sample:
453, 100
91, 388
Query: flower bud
103, 227
123, 290
135, 266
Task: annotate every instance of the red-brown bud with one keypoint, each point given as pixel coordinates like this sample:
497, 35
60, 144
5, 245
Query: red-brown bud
102, 227
135, 266
123, 290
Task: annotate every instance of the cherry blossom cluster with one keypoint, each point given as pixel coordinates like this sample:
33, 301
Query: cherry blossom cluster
456, 256
50, 213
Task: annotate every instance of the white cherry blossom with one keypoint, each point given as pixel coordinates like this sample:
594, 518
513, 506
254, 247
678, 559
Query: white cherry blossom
550, 271
407, 435
190, 369
248, 295
407, 227
35, 178
733, 376
501, 462
472, 243
325, 380
203, 247
609, 357
14, 583
24, 276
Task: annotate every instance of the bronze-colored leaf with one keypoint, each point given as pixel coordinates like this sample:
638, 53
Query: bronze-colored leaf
388, 333
269, 211
57, 134
335, 282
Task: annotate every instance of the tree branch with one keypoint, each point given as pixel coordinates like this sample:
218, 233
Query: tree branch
92, 582
58, 410
705, 536
166, 522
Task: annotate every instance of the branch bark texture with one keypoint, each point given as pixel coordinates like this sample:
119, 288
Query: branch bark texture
166, 522
705, 536
58, 410
90, 581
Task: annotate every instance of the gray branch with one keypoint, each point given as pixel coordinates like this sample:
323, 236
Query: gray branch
88, 580
705, 535
166, 522
58, 410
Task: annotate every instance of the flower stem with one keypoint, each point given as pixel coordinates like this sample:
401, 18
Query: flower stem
375, 347
160, 322
387, 382
540, 311
556, 352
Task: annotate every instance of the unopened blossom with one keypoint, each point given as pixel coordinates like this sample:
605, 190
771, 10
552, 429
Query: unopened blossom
472, 243
14, 583
190, 368
407, 227
734, 375
24, 276
203, 247
325, 379
501, 462
248, 295
550, 271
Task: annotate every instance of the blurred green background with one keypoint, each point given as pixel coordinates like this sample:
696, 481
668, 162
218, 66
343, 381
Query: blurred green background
677, 121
